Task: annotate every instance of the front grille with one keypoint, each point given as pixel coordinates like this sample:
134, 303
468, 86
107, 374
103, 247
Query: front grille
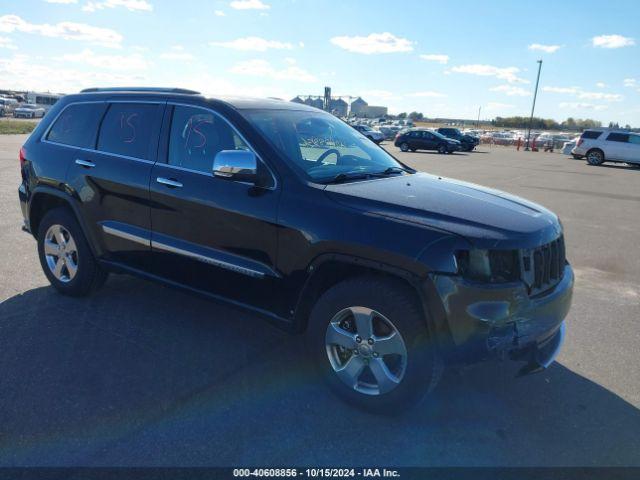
543, 266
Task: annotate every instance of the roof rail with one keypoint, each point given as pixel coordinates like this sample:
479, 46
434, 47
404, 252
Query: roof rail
141, 89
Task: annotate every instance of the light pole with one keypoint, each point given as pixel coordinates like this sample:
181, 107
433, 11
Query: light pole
478, 124
535, 94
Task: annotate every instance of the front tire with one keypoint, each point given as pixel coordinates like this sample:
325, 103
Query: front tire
65, 256
369, 340
442, 149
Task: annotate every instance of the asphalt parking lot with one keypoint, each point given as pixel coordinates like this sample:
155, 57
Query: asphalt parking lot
140, 374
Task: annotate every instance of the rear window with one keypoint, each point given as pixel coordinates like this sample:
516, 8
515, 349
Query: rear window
618, 137
127, 129
591, 134
77, 125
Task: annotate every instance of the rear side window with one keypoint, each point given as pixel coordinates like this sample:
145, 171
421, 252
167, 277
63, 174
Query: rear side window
590, 134
635, 139
618, 137
127, 129
197, 136
77, 125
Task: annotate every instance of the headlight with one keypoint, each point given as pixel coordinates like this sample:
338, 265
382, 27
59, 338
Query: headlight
492, 266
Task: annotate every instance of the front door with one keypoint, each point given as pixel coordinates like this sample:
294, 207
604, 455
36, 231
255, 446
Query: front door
209, 233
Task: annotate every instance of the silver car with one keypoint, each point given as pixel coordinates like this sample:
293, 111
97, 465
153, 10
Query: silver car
28, 110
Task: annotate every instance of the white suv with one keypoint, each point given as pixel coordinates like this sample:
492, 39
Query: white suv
605, 145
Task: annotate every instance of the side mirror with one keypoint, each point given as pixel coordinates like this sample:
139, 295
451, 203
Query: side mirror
238, 165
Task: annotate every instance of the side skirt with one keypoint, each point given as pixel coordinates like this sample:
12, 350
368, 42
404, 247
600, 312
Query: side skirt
279, 322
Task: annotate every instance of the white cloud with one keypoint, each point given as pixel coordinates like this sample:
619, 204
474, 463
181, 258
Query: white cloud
545, 48
131, 62
511, 90
434, 57
254, 44
262, 68
601, 85
503, 73
428, 94
249, 5
610, 97
131, 5
219, 13
66, 2
177, 52
6, 42
568, 90
374, 43
630, 82
612, 41
582, 106
22, 72
492, 106
584, 95
66, 30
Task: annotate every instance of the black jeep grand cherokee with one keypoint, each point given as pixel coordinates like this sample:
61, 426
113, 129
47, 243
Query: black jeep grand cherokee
286, 210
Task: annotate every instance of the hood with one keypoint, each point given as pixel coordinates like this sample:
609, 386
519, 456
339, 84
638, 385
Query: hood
487, 218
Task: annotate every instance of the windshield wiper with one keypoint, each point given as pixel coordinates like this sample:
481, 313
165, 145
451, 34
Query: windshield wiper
341, 177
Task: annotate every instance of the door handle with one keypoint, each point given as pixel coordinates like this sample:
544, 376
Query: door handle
85, 163
169, 182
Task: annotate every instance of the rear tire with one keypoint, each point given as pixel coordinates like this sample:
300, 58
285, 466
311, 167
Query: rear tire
404, 147
65, 256
595, 157
385, 383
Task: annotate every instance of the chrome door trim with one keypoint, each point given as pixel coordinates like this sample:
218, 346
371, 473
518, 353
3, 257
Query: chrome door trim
207, 259
116, 232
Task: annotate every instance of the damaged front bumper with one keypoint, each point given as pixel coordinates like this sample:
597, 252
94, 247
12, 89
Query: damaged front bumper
502, 320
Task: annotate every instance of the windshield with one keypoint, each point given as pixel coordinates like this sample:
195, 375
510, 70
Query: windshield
319, 145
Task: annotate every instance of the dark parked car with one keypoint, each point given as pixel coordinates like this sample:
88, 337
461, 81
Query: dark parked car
422, 139
388, 272
468, 142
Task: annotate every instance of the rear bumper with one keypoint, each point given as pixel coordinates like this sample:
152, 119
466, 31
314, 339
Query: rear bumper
24, 207
503, 321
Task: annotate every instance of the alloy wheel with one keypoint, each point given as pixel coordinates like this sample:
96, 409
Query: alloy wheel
366, 350
61, 253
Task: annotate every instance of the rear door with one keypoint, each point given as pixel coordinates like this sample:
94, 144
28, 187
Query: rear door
430, 141
210, 233
616, 146
112, 180
634, 148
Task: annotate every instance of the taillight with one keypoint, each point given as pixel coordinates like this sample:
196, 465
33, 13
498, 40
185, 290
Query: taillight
22, 157
580, 141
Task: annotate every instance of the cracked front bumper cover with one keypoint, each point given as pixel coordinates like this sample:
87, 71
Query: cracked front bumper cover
503, 321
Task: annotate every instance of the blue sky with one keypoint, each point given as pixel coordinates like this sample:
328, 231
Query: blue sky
441, 58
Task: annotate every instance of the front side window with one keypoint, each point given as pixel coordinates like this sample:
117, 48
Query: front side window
319, 145
197, 136
127, 129
77, 125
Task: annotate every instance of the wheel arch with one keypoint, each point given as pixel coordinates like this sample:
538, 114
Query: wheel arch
45, 199
328, 270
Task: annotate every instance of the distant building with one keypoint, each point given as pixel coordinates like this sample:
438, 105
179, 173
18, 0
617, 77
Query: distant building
338, 106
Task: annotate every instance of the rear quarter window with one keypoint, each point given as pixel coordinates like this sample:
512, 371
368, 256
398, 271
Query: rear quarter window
127, 129
590, 134
618, 137
77, 125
